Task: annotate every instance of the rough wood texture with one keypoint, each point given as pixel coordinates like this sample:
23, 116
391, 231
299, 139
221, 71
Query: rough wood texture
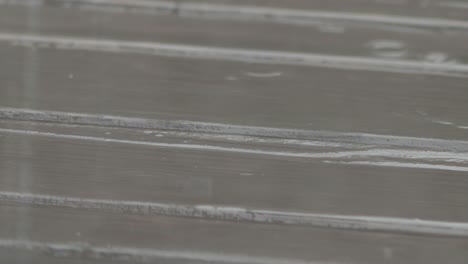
253, 131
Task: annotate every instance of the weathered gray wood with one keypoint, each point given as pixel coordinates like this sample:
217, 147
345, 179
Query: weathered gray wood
184, 133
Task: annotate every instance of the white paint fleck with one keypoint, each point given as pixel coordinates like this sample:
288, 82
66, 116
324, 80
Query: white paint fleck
436, 57
386, 44
391, 49
442, 122
264, 74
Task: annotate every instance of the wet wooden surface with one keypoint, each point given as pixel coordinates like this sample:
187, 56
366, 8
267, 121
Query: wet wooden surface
220, 145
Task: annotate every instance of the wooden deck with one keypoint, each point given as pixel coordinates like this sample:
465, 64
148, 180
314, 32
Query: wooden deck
247, 131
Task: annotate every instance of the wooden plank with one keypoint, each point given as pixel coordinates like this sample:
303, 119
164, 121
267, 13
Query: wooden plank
208, 240
128, 165
372, 40
230, 92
